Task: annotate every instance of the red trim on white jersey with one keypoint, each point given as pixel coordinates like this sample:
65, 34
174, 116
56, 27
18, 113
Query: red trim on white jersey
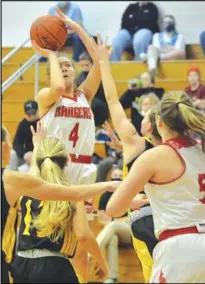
176, 145
74, 98
179, 142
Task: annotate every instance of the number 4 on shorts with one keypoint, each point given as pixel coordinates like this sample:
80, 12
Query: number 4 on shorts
74, 134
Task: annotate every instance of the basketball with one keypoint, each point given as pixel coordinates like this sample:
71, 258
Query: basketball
49, 32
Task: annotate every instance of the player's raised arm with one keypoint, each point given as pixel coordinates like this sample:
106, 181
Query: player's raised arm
92, 82
122, 125
48, 96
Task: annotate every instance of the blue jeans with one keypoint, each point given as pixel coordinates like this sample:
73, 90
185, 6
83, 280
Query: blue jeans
123, 40
202, 41
77, 46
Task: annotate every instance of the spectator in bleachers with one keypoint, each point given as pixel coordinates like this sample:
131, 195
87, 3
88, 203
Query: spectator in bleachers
139, 23
73, 11
130, 99
99, 105
196, 90
114, 233
202, 41
167, 45
21, 154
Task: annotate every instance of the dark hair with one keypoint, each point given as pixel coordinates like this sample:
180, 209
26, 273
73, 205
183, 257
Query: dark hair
152, 118
85, 56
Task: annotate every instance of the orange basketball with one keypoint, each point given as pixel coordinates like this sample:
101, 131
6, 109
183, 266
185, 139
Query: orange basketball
49, 32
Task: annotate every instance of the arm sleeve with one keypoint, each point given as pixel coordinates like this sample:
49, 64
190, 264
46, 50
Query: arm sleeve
18, 143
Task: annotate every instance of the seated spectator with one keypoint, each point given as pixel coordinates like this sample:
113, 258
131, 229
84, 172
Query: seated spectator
73, 11
130, 99
196, 90
139, 23
202, 41
115, 232
167, 45
99, 105
21, 154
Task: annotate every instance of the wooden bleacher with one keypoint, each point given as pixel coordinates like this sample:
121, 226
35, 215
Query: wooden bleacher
172, 76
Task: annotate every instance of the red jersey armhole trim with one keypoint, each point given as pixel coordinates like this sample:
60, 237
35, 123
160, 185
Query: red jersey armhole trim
178, 154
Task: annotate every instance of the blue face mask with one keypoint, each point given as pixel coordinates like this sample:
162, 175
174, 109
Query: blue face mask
169, 27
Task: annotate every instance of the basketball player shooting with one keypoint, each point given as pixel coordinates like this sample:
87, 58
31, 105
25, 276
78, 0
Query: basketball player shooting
65, 112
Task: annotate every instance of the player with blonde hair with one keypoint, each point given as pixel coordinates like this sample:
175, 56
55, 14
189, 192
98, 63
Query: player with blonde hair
15, 184
173, 175
66, 113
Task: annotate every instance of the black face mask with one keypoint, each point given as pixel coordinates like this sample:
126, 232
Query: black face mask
116, 179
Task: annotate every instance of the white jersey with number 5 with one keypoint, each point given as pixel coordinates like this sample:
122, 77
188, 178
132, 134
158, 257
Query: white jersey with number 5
71, 120
179, 219
180, 203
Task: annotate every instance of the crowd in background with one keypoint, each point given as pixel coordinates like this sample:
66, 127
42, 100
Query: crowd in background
141, 36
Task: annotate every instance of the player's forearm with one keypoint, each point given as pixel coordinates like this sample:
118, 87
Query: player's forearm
56, 78
47, 191
92, 247
87, 41
108, 82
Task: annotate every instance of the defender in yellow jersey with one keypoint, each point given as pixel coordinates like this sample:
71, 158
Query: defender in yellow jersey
15, 184
51, 230
133, 145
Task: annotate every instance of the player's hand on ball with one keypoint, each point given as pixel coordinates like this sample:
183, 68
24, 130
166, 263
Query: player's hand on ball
71, 24
42, 51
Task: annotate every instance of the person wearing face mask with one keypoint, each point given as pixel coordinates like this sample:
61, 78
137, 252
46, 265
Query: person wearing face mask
73, 11
131, 97
99, 105
196, 90
139, 23
21, 154
167, 45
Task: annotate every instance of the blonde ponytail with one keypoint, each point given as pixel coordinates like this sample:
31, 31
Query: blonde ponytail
55, 216
179, 114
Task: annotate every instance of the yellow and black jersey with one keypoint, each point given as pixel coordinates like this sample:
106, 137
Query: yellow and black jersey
142, 229
29, 237
8, 225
